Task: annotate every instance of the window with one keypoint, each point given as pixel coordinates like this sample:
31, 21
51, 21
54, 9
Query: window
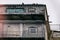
32, 30
21, 10
31, 10
15, 10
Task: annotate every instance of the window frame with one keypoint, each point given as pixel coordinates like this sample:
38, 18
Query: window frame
31, 9
15, 10
35, 28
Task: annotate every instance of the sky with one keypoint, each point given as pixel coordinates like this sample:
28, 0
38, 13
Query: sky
53, 7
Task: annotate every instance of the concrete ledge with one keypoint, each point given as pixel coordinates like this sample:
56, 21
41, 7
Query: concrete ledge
21, 21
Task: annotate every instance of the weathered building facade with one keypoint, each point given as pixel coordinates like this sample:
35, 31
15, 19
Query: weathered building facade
24, 20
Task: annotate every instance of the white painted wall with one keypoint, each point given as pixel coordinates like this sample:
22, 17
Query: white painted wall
12, 30
55, 27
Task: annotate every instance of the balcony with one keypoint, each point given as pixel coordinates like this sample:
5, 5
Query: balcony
22, 18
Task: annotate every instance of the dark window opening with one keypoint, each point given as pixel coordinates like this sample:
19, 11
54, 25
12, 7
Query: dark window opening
24, 17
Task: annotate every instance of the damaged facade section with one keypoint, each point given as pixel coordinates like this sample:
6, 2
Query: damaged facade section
26, 20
